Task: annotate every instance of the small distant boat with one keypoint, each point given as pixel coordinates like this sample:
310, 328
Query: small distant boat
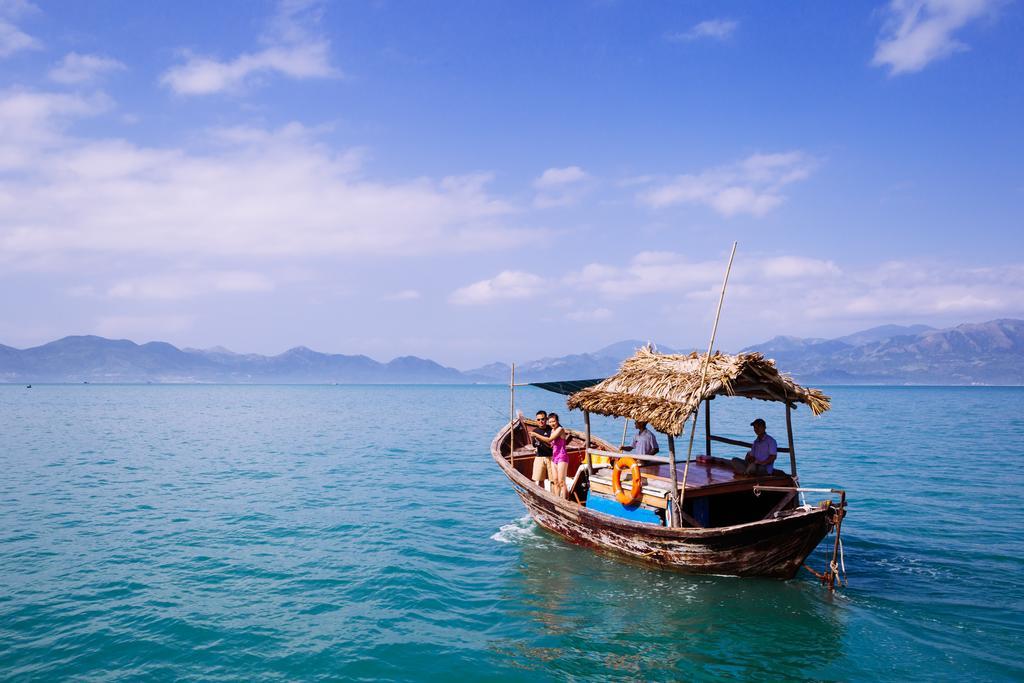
29, 386
696, 516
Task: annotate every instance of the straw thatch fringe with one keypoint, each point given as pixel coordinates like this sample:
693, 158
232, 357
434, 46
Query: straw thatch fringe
664, 389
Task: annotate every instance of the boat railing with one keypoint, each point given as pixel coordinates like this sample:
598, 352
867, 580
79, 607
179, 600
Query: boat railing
799, 489
667, 461
738, 442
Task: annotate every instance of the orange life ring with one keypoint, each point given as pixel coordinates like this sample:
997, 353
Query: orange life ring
638, 487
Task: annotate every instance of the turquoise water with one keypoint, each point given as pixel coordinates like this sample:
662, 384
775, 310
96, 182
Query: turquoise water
340, 532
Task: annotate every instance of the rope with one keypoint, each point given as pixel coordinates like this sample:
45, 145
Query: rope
833, 572
842, 563
838, 548
819, 575
836, 570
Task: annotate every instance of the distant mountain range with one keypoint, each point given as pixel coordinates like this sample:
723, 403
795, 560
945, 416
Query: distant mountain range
984, 353
95, 359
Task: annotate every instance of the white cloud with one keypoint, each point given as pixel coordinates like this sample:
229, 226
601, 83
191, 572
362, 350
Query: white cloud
785, 292
81, 291
918, 32
33, 122
77, 68
294, 49
591, 315
12, 38
404, 295
557, 177
141, 326
205, 76
186, 285
661, 272
752, 186
646, 273
561, 187
509, 284
713, 29
797, 267
254, 192
899, 290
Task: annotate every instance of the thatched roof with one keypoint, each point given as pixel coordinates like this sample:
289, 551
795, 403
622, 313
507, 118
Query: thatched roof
664, 389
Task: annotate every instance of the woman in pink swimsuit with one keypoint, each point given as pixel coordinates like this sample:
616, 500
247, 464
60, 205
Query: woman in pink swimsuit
559, 457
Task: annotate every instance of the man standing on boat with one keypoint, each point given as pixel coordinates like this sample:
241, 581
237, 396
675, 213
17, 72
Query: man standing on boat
645, 442
761, 456
542, 461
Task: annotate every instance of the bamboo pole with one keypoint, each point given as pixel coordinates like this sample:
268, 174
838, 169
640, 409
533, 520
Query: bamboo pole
677, 506
704, 370
624, 428
586, 446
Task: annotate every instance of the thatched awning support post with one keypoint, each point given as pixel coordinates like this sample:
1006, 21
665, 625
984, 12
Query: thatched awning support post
586, 446
707, 427
792, 451
677, 517
512, 416
512, 395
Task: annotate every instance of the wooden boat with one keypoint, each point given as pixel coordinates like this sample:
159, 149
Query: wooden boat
698, 516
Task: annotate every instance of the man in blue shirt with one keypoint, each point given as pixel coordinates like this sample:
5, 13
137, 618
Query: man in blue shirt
761, 456
645, 442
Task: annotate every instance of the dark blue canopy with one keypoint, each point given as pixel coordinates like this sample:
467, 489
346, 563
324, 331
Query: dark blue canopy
570, 386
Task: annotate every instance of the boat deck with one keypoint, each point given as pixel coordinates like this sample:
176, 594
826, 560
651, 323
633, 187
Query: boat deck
716, 475
712, 477
704, 479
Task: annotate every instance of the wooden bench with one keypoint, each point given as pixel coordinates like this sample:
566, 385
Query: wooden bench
655, 491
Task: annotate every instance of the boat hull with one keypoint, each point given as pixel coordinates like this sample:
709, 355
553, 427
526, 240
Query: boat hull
774, 547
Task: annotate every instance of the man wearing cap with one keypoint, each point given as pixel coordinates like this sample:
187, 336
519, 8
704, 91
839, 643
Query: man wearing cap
761, 456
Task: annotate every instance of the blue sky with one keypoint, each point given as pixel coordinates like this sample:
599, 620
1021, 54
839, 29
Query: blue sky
488, 181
